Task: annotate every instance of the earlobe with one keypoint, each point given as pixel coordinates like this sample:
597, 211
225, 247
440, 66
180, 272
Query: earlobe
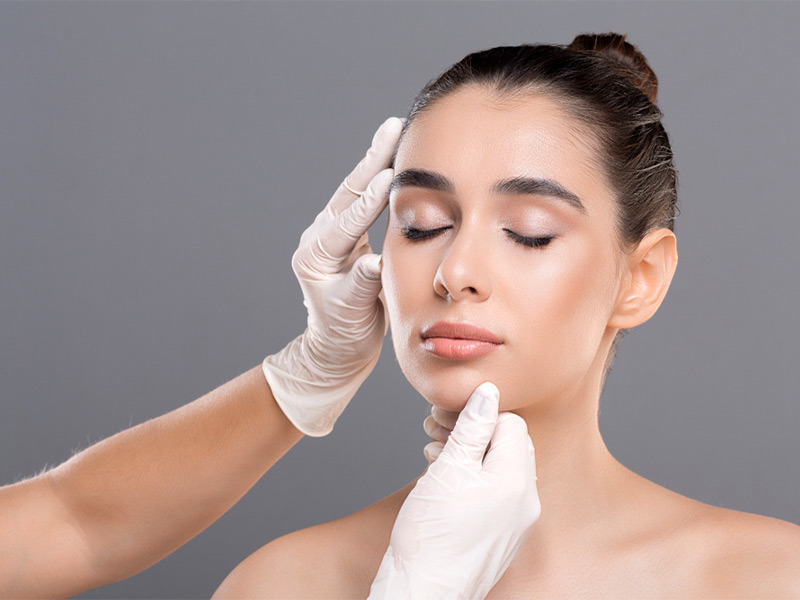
648, 277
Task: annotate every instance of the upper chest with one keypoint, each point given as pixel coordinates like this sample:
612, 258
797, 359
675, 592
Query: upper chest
598, 579
688, 569
682, 566
687, 556
656, 572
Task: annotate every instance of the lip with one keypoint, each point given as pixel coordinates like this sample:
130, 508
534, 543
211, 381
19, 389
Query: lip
458, 348
459, 331
458, 340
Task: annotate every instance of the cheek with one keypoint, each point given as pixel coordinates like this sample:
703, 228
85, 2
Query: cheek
566, 315
403, 284
556, 309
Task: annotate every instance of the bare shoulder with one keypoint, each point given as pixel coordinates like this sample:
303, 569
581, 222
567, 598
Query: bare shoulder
750, 555
302, 564
336, 559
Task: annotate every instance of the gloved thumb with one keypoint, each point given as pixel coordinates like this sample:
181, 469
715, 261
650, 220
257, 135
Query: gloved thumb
510, 447
474, 427
364, 283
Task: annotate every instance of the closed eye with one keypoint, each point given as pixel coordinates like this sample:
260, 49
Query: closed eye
534, 242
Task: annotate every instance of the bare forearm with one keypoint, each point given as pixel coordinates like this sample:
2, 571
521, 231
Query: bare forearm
137, 496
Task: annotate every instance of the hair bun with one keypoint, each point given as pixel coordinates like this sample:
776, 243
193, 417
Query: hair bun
629, 61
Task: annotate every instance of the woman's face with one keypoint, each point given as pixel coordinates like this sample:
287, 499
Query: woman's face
550, 305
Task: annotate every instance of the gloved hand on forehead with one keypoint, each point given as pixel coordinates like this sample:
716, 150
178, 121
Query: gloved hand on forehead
468, 515
317, 374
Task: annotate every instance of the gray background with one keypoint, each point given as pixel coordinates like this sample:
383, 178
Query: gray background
159, 161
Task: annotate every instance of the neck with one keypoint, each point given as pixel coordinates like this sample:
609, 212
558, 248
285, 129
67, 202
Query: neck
582, 488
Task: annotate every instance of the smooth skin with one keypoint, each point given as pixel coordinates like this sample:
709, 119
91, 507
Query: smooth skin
604, 531
125, 503
128, 501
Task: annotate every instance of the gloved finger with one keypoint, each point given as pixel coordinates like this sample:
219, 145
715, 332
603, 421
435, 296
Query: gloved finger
336, 239
432, 451
511, 452
434, 430
469, 438
382, 298
364, 282
378, 157
445, 418
362, 247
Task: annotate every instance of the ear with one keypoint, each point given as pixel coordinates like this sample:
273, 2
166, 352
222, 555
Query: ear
647, 275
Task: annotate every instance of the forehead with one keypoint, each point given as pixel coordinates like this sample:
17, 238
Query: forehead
475, 138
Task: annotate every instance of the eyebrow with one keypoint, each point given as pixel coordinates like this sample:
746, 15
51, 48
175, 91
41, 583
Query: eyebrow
513, 186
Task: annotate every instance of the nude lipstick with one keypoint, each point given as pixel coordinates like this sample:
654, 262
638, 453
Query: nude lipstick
458, 340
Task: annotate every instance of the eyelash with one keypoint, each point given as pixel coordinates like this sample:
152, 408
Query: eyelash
416, 235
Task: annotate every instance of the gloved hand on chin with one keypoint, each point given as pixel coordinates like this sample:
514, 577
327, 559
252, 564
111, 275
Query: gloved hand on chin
468, 515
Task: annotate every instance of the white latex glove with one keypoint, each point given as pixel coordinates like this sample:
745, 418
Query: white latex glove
466, 518
317, 374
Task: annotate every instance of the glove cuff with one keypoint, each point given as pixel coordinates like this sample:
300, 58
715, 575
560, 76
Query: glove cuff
311, 400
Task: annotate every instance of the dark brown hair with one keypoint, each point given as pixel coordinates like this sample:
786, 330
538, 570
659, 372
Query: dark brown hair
607, 85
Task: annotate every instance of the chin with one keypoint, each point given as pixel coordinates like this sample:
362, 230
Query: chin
449, 384
450, 391
449, 406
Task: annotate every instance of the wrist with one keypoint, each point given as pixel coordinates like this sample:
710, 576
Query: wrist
311, 396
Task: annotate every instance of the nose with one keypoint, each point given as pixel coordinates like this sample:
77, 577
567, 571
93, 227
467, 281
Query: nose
464, 270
